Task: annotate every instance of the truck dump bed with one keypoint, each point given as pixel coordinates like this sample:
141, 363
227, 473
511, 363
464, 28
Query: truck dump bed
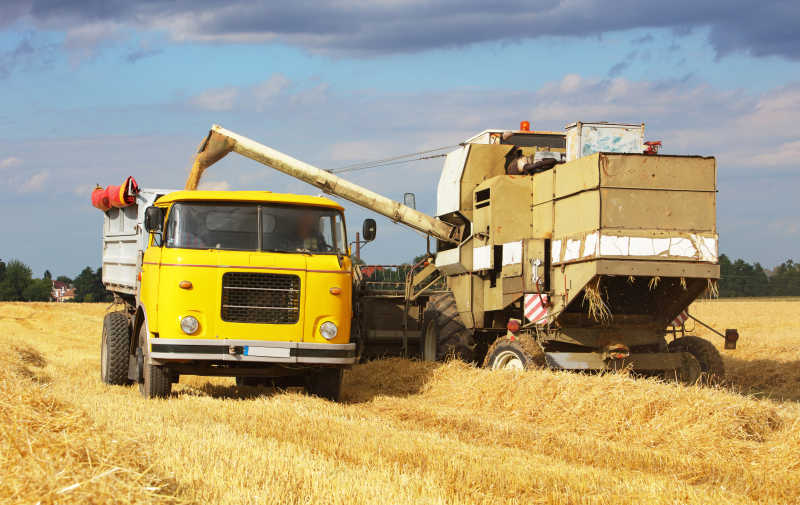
124, 242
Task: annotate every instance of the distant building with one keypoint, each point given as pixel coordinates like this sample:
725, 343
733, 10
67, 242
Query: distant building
62, 292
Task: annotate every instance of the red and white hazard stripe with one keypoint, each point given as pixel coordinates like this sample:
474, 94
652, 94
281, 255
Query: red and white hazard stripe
682, 318
537, 310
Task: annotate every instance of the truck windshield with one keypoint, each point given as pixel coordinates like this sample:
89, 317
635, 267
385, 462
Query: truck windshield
256, 227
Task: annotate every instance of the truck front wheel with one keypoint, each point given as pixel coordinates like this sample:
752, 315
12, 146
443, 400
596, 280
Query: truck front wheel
325, 383
156, 381
114, 349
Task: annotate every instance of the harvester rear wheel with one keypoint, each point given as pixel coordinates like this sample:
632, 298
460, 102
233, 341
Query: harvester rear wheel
445, 335
156, 380
114, 349
521, 353
711, 366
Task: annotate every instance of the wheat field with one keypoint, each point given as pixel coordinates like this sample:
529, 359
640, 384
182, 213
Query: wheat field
407, 432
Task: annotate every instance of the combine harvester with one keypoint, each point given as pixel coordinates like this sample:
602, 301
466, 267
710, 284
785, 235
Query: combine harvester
579, 250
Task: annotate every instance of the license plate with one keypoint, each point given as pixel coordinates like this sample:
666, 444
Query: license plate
266, 352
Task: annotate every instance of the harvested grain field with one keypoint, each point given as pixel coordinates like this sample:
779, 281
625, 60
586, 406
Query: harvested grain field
407, 432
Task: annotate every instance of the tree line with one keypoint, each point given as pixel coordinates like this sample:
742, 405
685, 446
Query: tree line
738, 278
17, 284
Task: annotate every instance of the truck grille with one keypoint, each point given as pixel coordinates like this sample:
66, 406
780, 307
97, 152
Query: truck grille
260, 298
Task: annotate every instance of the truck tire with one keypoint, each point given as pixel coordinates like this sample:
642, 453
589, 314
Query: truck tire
711, 366
325, 383
156, 380
521, 353
114, 349
445, 335
250, 381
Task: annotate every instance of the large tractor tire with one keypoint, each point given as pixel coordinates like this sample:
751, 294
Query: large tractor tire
114, 349
520, 353
325, 383
711, 367
156, 380
445, 335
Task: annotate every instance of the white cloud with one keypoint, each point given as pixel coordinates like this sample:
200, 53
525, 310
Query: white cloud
217, 99
214, 185
786, 154
10, 162
83, 41
785, 227
311, 96
265, 92
360, 150
34, 183
274, 91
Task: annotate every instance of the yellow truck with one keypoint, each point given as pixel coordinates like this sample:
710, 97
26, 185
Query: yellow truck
247, 284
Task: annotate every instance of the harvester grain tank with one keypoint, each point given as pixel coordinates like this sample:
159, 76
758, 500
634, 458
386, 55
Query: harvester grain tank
575, 249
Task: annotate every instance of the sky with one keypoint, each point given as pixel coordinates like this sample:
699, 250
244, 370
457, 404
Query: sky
93, 91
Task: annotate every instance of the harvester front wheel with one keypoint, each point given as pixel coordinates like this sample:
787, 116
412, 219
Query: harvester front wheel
114, 349
156, 380
712, 369
445, 335
521, 353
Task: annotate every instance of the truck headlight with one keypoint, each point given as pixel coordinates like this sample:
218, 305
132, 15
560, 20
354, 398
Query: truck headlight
189, 324
328, 330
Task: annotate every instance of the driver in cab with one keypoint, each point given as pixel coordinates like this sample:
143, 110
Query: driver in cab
308, 236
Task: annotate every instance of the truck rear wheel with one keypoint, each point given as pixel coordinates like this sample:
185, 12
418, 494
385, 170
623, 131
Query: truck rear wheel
156, 380
712, 368
114, 349
445, 335
521, 353
325, 383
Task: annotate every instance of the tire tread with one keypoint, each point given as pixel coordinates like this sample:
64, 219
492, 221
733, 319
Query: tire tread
117, 330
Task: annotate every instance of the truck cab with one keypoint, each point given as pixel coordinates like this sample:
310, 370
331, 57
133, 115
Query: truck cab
250, 284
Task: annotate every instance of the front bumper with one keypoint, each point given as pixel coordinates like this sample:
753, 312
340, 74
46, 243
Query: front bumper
164, 350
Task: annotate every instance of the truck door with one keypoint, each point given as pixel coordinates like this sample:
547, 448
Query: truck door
149, 280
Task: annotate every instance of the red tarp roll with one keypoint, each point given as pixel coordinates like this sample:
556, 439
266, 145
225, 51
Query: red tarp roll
116, 196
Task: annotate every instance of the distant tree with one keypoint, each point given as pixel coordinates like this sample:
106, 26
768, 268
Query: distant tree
89, 286
785, 280
47, 275
66, 280
16, 278
101, 293
84, 285
2, 270
39, 290
739, 278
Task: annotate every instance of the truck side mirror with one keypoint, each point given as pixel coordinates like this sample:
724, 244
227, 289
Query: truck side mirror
153, 219
368, 230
